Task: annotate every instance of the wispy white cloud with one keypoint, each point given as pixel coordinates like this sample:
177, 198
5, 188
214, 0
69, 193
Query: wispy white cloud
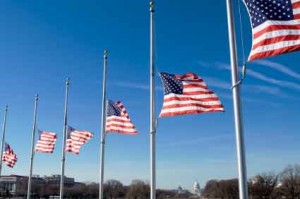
279, 67
203, 63
264, 89
262, 77
222, 66
214, 82
224, 85
277, 82
260, 101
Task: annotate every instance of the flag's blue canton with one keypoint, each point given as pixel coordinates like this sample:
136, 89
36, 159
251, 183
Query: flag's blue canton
263, 10
171, 84
113, 109
71, 129
6, 147
40, 133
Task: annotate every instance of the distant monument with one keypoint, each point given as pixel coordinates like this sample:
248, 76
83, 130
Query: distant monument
196, 188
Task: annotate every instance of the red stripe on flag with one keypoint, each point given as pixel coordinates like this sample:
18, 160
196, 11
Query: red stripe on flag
275, 40
194, 86
114, 123
297, 16
120, 126
198, 93
115, 119
190, 102
275, 28
123, 132
193, 105
76, 140
46, 142
169, 99
296, 5
274, 52
188, 112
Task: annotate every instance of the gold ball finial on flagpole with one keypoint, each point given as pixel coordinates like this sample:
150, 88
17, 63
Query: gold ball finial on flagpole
105, 54
151, 6
68, 81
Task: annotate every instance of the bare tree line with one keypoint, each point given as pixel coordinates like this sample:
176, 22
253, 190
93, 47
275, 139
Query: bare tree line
113, 189
285, 184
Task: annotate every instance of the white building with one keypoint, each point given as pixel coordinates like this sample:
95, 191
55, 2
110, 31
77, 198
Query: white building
196, 188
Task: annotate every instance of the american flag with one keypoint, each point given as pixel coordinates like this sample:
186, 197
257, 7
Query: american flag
187, 94
275, 27
118, 120
75, 139
9, 157
46, 142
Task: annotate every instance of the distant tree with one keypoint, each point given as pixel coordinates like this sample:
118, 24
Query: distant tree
93, 190
211, 189
290, 182
52, 190
221, 189
229, 188
161, 194
37, 190
113, 189
263, 186
138, 190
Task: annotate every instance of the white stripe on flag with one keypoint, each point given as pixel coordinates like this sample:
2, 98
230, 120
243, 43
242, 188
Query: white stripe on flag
275, 46
276, 33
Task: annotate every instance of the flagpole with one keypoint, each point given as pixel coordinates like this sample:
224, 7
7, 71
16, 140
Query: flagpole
152, 106
3, 137
63, 160
102, 148
32, 145
243, 187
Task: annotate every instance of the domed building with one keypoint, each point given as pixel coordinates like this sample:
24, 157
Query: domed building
196, 188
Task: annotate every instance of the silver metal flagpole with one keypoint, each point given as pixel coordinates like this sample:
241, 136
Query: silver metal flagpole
63, 160
152, 107
3, 137
103, 134
32, 145
243, 187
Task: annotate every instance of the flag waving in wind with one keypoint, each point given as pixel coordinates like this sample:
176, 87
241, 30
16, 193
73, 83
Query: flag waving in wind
9, 157
76, 139
275, 27
187, 94
46, 142
117, 119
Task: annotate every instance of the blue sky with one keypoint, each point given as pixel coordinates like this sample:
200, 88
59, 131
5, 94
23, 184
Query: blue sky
43, 43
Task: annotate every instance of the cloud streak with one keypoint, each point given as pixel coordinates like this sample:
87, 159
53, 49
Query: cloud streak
281, 83
214, 82
262, 77
264, 89
279, 67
